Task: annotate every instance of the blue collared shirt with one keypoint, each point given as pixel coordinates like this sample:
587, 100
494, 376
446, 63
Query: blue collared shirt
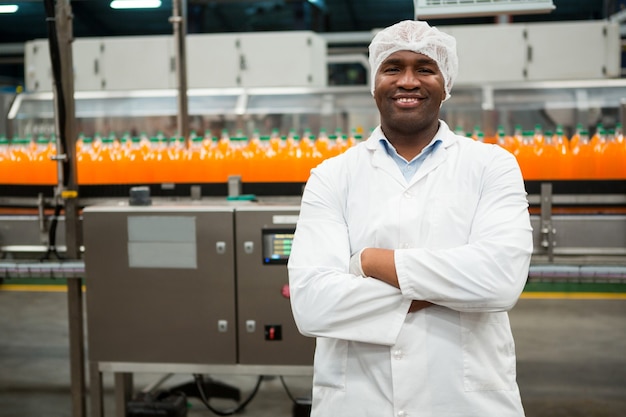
409, 168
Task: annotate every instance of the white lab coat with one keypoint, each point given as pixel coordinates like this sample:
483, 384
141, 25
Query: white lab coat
463, 241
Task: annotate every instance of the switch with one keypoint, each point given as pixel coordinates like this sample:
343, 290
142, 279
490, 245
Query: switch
273, 332
222, 326
250, 326
248, 247
220, 247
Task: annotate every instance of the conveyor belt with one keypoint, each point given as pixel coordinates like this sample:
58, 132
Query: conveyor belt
52, 270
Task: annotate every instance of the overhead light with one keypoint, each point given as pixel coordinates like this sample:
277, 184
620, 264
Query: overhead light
8, 8
135, 4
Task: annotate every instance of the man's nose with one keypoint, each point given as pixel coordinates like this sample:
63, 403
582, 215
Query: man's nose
409, 79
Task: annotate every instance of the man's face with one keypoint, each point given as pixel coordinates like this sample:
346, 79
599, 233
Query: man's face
409, 89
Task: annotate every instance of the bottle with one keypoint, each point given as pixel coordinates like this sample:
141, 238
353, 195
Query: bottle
322, 144
20, 162
573, 142
583, 157
4, 160
538, 136
44, 167
613, 157
526, 157
560, 142
193, 160
548, 157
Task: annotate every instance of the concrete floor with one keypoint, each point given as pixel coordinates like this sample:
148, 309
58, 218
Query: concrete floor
571, 361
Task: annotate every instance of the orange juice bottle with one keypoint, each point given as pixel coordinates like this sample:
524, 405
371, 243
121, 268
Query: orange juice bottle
20, 162
293, 170
613, 159
4, 159
573, 142
538, 136
192, 160
549, 157
322, 144
83, 161
563, 162
264, 160
526, 156
105, 166
253, 152
174, 163
45, 167
583, 160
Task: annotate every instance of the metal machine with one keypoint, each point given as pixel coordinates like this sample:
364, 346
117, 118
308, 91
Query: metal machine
191, 283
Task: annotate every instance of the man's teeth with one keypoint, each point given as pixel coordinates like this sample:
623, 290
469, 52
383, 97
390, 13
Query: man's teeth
407, 100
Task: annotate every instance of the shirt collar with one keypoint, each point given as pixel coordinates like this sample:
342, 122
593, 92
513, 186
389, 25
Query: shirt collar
391, 150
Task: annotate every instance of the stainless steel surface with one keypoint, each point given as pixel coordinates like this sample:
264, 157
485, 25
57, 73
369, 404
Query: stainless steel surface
329, 107
546, 231
260, 286
163, 303
186, 368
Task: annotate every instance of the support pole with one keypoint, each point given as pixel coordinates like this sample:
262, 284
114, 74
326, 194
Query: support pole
68, 192
179, 21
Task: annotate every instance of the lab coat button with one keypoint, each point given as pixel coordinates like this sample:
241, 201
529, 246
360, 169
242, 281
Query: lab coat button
402, 413
408, 194
397, 354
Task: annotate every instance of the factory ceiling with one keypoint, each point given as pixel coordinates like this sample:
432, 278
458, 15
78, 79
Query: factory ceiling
93, 18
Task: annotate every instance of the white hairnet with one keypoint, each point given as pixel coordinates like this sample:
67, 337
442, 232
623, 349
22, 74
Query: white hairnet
419, 37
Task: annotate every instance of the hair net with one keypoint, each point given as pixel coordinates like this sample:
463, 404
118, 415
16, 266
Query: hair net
416, 36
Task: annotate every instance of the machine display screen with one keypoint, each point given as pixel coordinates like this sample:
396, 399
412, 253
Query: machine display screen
277, 245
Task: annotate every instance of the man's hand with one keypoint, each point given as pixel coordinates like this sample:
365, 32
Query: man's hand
417, 305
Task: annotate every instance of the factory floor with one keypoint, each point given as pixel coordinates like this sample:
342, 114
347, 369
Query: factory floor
571, 353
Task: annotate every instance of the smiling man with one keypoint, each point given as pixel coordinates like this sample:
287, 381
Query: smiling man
409, 250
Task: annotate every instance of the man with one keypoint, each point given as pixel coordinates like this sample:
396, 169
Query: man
409, 251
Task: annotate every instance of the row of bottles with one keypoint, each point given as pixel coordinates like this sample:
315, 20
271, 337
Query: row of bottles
552, 155
542, 155
159, 159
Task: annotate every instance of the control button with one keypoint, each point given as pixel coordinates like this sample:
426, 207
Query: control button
250, 326
248, 247
273, 332
285, 291
220, 247
222, 326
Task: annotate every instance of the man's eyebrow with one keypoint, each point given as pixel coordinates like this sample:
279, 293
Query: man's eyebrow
421, 60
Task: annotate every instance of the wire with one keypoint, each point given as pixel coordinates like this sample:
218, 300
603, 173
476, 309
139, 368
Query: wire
52, 235
289, 394
200, 385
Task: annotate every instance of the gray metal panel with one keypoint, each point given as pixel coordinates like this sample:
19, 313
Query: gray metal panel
160, 315
584, 235
259, 292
